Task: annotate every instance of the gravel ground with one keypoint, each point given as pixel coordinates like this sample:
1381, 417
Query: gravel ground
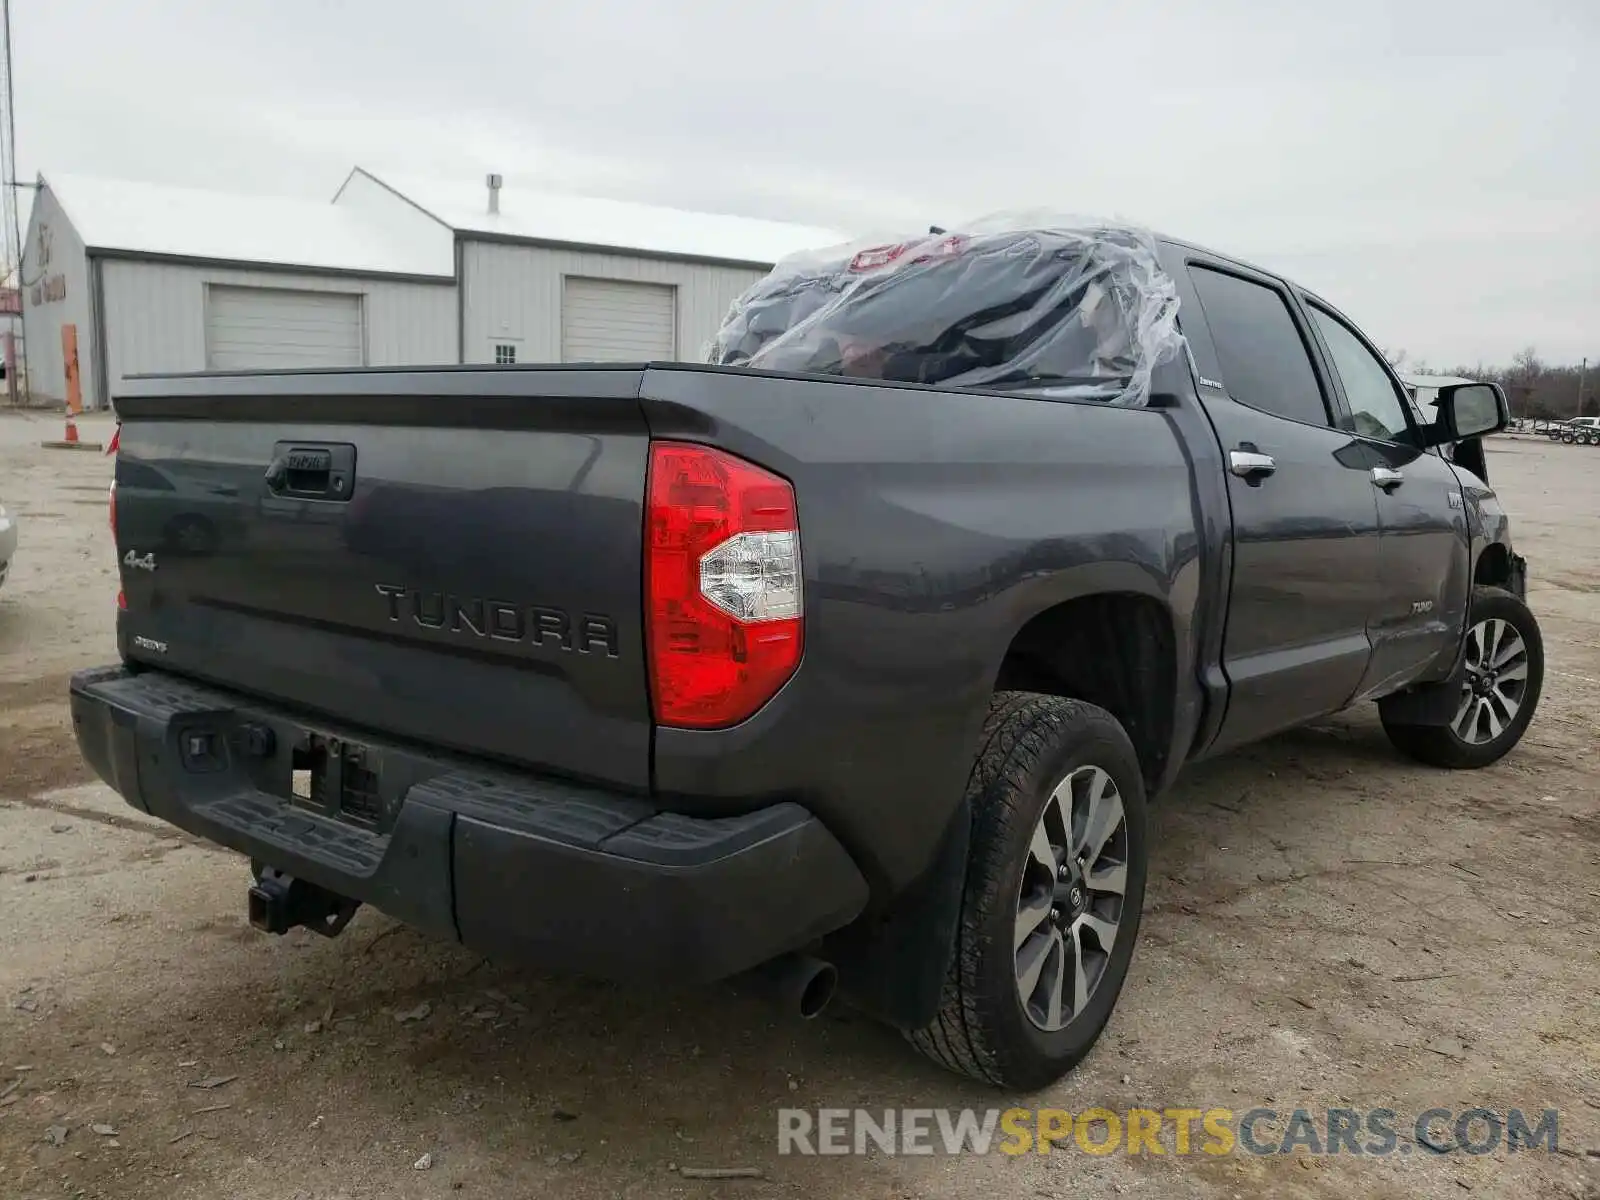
1328, 926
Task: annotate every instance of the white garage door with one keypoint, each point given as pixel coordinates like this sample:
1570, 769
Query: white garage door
604, 320
271, 327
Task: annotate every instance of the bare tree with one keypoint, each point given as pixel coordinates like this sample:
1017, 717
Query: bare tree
1535, 387
1525, 363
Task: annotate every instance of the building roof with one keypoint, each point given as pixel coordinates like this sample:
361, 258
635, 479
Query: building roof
528, 214
124, 216
1433, 381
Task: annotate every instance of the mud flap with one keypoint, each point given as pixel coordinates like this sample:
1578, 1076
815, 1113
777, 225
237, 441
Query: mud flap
1427, 704
894, 966
1517, 584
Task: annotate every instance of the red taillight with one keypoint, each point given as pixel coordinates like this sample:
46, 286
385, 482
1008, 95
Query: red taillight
722, 585
111, 505
111, 495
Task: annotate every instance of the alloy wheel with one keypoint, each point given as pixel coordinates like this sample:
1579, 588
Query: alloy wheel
1070, 903
1496, 682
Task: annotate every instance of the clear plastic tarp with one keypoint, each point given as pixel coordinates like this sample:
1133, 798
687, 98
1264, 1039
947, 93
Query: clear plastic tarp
1065, 308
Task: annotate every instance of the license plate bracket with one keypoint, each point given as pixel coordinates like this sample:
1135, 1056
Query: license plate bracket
338, 778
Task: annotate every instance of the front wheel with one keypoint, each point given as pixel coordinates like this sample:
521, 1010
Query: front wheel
1053, 893
1499, 693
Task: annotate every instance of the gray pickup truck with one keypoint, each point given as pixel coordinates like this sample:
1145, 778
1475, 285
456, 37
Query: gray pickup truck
796, 672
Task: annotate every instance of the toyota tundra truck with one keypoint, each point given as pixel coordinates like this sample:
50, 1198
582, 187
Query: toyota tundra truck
849, 664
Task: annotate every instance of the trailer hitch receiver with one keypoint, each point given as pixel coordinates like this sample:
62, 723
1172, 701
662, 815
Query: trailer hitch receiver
279, 902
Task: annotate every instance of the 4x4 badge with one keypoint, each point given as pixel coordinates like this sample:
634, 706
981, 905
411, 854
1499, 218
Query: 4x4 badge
139, 562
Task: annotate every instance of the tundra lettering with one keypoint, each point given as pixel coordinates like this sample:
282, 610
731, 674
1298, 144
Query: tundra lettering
501, 620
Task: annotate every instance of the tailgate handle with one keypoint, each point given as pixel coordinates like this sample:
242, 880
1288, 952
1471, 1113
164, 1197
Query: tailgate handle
312, 471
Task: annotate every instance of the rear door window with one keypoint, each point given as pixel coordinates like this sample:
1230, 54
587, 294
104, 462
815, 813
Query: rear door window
1264, 360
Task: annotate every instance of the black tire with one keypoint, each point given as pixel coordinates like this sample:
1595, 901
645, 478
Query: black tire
1032, 743
1442, 745
1568, 436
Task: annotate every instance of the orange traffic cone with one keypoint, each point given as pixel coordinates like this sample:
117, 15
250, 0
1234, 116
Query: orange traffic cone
71, 441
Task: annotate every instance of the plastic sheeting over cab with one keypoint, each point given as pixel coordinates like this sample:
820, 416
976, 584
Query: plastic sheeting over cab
1065, 309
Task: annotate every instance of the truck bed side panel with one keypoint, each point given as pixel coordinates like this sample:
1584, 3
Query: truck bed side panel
934, 525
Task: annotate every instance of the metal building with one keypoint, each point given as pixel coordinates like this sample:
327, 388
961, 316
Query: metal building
554, 278
136, 277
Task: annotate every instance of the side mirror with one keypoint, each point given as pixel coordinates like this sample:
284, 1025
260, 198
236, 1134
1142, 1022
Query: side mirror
1468, 410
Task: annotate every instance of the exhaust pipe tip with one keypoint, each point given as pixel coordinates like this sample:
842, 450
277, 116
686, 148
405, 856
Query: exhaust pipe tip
798, 984
817, 992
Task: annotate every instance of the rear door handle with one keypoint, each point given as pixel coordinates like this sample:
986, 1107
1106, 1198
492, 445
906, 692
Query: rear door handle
1388, 480
1251, 465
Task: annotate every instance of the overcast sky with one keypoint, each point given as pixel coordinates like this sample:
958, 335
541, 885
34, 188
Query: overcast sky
1432, 167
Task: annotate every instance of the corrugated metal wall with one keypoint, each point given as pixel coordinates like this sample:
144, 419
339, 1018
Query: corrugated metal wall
513, 294
155, 315
42, 318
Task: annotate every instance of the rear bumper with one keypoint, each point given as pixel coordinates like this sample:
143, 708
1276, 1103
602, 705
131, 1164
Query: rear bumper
568, 878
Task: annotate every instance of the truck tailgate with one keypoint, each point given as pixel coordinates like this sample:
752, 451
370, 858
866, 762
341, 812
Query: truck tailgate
327, 543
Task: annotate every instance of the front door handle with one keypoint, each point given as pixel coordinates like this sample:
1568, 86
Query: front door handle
1250, 465
1388, 480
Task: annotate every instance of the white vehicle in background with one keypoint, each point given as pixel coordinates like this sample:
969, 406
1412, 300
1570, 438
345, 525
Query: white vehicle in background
1585, 431
8, 541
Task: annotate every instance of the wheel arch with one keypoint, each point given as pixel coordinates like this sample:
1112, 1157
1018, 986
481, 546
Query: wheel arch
1493, 568
895, 965
1062, 650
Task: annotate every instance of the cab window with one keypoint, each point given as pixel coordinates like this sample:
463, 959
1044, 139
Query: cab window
1376, 401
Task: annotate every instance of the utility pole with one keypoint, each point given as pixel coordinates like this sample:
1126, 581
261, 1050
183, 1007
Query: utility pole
8, 159
1583, 373
16, 359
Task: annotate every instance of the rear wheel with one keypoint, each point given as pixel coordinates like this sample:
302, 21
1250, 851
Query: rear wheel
1504, 678
1053, 893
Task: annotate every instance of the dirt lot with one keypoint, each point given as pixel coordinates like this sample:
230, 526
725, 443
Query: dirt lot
1329, 926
